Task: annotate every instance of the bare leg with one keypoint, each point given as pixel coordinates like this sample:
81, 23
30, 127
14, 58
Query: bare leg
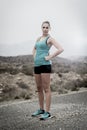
46, 86
40, 90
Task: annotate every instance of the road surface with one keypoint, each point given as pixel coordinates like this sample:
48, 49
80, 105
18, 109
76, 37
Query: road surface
69, 113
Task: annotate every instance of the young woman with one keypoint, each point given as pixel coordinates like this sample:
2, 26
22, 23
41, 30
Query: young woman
42, 68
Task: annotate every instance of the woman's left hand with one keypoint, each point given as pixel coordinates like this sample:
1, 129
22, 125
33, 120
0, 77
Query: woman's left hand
47, 57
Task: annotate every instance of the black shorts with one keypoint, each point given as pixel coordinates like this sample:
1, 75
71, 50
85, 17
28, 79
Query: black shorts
42, 69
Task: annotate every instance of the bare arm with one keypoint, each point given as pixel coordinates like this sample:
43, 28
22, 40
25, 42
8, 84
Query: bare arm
34, 51
57, 46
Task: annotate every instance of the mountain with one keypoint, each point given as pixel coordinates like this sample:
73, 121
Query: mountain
58, 64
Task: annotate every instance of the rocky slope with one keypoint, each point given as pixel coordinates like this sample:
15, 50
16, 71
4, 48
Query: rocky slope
17, 80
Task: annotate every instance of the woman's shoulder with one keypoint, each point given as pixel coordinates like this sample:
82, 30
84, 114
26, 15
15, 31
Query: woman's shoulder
50, 38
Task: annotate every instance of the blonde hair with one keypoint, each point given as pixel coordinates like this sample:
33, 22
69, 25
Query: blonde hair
46, 22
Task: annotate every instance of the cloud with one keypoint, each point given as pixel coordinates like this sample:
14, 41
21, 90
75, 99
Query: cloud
21, 21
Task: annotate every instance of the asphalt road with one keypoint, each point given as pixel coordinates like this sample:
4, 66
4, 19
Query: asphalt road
69, 113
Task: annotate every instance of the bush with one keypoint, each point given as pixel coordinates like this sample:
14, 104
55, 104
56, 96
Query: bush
27, 69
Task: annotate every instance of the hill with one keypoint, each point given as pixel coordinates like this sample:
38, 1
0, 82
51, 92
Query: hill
78, 65
17, 78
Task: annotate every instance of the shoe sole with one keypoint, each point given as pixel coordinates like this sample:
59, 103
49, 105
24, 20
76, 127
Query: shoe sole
46, 118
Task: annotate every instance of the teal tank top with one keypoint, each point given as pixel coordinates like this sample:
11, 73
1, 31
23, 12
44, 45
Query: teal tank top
42, 50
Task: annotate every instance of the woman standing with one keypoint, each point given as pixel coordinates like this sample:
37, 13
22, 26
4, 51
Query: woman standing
42, 68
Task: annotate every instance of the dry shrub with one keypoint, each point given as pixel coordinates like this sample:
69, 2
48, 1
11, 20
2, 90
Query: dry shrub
23, 85
11, 92
27, 69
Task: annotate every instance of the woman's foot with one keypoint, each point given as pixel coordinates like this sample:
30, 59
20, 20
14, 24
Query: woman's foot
45, 116
38, 112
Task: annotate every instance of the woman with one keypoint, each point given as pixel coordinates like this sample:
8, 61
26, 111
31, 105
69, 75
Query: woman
42, 68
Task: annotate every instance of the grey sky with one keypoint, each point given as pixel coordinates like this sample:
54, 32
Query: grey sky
20, 25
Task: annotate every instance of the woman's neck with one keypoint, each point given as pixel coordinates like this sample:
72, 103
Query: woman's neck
45, 35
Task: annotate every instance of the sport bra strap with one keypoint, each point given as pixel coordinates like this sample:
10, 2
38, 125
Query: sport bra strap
47, 39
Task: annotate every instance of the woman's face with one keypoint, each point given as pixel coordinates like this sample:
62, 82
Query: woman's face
45, 28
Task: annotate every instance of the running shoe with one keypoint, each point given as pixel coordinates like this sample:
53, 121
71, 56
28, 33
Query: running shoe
45, 116
38, 112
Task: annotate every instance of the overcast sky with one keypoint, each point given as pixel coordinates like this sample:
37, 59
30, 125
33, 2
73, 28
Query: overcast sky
20, 25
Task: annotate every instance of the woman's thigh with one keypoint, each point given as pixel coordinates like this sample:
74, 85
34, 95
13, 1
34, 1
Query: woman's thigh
38, 80
45, 80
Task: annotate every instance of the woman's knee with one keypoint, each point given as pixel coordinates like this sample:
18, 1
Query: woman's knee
47, 90
39, 88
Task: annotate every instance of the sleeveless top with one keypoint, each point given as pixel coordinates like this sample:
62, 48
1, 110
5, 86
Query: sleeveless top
42, 50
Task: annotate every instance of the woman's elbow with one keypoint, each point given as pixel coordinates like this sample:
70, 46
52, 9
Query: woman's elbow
61, 50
